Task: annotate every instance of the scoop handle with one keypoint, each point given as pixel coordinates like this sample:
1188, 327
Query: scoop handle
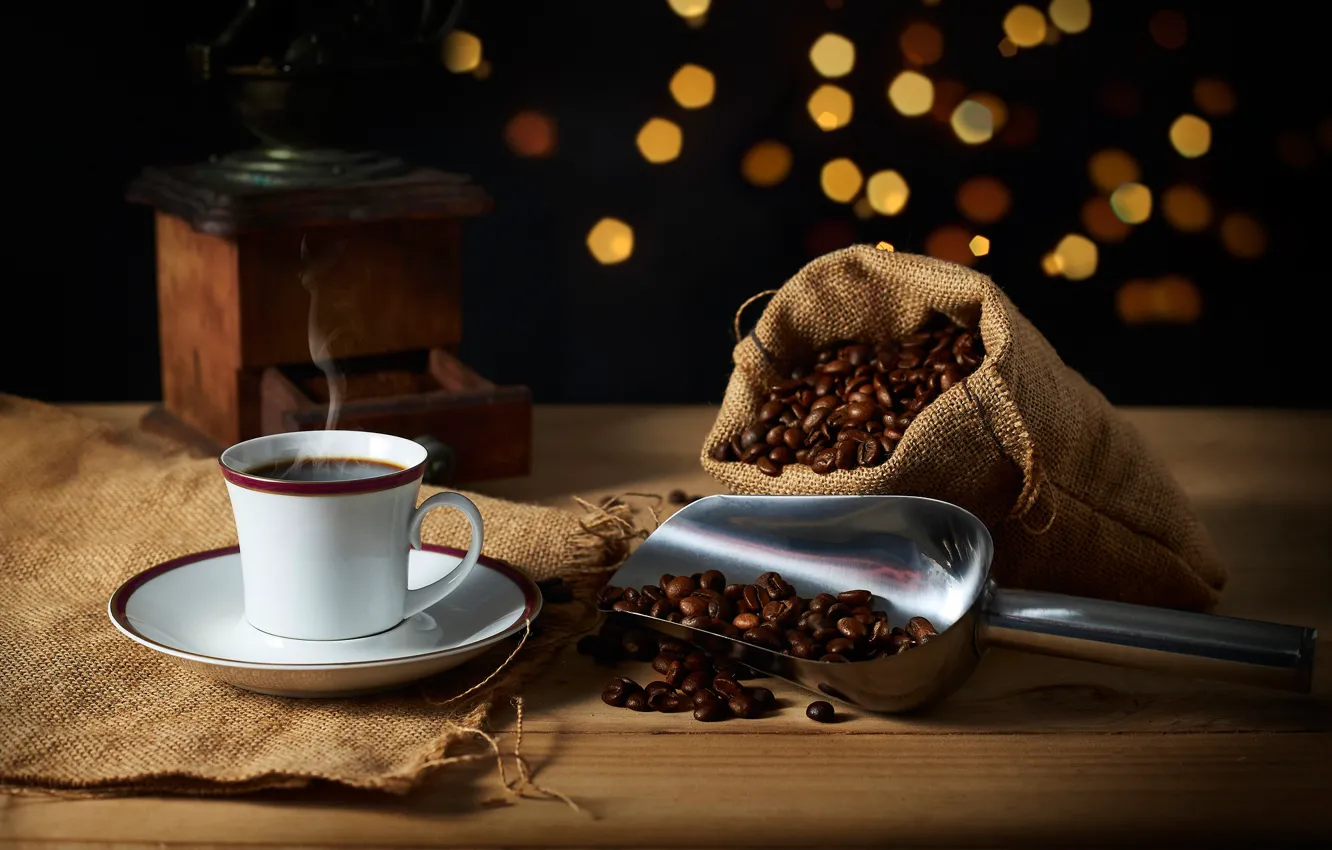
1201, 646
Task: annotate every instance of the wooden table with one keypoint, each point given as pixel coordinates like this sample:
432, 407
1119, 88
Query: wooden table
1031, 750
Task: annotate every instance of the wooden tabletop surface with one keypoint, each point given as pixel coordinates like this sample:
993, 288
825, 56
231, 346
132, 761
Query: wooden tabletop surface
1031, 750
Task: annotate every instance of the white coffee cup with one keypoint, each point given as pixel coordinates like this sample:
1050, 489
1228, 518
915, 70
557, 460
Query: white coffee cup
326, 559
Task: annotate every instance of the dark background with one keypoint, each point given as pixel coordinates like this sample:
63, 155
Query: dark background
96, 93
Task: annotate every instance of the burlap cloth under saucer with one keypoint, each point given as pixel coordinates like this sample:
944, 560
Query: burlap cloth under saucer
83, 507
1076, 502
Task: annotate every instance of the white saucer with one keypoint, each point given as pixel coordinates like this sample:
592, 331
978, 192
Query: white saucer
192, 610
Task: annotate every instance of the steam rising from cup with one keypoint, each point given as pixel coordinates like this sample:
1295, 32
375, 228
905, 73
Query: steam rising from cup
321, 343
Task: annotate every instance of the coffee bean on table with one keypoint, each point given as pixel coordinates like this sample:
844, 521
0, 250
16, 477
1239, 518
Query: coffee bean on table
677, 497
743, 706
820, 712
636, 701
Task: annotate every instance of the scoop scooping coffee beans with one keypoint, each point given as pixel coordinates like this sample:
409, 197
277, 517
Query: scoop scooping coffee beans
849, 407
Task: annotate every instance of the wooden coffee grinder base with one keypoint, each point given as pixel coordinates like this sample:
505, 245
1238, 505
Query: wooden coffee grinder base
257, 283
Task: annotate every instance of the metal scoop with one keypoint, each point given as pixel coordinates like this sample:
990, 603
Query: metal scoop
922, 557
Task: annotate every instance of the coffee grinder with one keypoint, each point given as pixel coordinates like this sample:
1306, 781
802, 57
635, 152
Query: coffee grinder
314, 281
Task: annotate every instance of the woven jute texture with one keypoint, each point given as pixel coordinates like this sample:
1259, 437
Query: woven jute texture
84, 507
1073, 498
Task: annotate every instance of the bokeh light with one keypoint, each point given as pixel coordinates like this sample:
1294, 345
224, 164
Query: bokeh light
1132, 203
885, 246
610, 241
1173, 298
1052, 264
1244, 236
979, 245
921, 43
1071, 16
482, 70
972, 122
887, 192
1295, 149
1007, 48
951, 243
862, 208
690, 8
833, 55
461, 51
1021, 128
1100, 221
660, 140
1186, 208
1110, 167
1191, 136
1077, 256
693, 86
1169, 29
911, 93
766, 164
841, 180
947, 95
1214, 97
998, 109
830, 107
1025, 25
984, 199
1052, 36
531, 133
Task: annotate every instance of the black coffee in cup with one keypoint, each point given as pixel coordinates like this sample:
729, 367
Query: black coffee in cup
324, 469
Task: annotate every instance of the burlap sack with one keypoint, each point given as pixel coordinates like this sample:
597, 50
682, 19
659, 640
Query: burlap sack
84, 507
1075, 501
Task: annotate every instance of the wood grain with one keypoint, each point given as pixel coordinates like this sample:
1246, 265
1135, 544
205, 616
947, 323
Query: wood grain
198, 305
1031, 751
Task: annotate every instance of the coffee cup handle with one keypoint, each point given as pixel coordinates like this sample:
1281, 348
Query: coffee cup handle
423, 597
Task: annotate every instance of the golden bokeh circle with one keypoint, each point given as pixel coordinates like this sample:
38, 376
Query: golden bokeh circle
693, 86
830, 106
461, 51
979, 245
1244, 236
766, 164
952, 243
1191, 136
1100, 221
1186, 208
887, 192
1110, 167
911, 93
531, 133
921, 43
610, 241
1025, 25
1214, 97
841, 180
984, 199
1071, 16
1077, 256
833, 55
1132, 203
972, 122
660, 140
